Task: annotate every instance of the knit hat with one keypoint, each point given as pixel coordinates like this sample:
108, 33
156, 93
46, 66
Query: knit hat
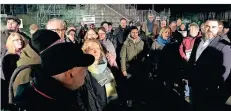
62, 57
42, 39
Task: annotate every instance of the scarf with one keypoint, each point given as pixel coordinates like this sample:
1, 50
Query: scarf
150, 26
100, 72
162, 41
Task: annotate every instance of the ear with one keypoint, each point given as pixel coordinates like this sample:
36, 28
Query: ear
68, 74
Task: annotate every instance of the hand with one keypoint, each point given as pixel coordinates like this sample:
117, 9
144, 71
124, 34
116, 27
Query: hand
125, 73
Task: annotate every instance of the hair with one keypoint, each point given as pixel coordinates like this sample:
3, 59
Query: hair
213, 20
103, 29
68, 32
86, 46
194, 25
133, 27
131, 22
220, 23
57, 19
164, 29
33, 27
109, 23
85, 37
122, 19
10, 45
104, 22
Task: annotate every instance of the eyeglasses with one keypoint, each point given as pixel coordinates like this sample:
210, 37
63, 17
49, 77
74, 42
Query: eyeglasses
17, 40
57, 30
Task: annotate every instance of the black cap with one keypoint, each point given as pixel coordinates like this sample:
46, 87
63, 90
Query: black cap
62, 57
42, 39
16, 19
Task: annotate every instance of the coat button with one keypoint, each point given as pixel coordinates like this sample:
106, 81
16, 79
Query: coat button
206, 89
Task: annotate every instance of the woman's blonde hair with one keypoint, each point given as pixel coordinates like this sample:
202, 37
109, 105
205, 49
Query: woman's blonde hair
10, 45
86, 45
85, 37
164, 29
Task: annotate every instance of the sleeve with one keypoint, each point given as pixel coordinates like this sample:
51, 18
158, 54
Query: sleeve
226, 61
181, 49
123, 57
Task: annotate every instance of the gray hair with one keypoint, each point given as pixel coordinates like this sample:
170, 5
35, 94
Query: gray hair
56, 19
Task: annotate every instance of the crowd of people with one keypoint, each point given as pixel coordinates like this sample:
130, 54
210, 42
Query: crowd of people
149, 66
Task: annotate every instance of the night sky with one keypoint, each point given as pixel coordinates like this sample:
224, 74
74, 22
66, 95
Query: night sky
176, 8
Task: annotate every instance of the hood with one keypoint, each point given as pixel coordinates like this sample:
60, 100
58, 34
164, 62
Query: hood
28, 56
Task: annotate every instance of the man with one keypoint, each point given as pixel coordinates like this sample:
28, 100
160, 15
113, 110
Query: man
71, 36
221, 31
53, 87
120, 35
58, 26
33, 28
148, 25
110, 28
109, 34
187, 44
132, 54
210, 66
176, 35
13, 24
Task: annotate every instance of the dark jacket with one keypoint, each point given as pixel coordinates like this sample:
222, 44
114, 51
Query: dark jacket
8, 67
208, 74
120, 36
46, 95
178, 36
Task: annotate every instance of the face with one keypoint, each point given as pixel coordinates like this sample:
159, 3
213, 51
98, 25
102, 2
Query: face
134, 34
72, 35
109, 27
91, 34
194, 31
151, 18
178, 22
163, 24
226, 30
58, 27
131, 24
106, 26
211, 26
12, 25
102, 35
220, 28
182, 27
78, 76
92, 26
123, 23
202, 28
94, 49
173, 27
17, 42
166, 34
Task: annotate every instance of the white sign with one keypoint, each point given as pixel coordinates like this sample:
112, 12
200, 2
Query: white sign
21, 25
89, 19
3, 15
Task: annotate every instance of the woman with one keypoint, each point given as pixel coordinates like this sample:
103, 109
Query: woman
111, 55
14, 44
99, 81
164, 65
91, 34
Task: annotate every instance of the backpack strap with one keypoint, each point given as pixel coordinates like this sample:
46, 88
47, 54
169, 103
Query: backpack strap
13, 77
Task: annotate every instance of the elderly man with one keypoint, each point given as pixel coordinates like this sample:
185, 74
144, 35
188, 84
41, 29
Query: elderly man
210, 66
58, 26
55, 80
